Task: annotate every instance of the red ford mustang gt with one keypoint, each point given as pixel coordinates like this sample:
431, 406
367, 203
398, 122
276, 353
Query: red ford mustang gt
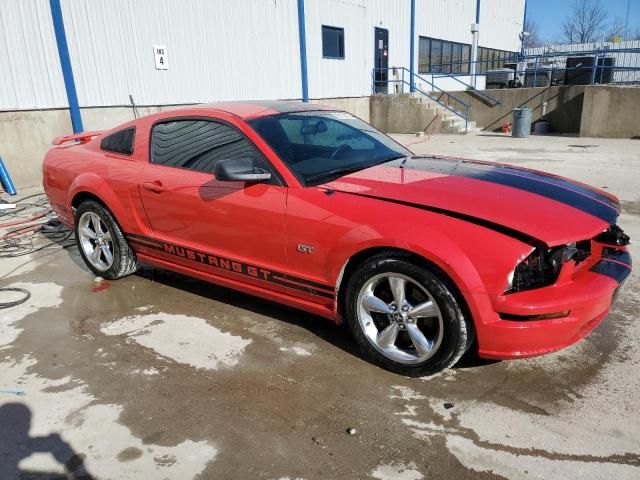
314, 208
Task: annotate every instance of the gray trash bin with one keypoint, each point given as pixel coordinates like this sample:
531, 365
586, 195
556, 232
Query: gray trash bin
521, 122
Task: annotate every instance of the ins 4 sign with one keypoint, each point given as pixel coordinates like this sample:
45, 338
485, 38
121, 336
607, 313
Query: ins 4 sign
161, 57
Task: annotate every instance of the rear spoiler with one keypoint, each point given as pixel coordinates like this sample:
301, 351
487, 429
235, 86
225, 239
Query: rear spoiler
83, 137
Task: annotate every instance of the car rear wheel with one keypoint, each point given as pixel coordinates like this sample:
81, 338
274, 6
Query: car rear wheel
101, 242
405, 317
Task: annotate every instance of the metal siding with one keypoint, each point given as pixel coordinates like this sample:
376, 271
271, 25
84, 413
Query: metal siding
450, 20
330, 77
216, 50
501, 24
220, 50
30, 76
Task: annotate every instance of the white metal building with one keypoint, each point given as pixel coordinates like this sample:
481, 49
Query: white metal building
230, 49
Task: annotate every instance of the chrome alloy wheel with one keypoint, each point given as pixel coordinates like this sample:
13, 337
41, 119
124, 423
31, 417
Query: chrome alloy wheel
95, 241
400, 318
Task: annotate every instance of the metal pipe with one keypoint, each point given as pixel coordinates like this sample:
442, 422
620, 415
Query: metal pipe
302, 33
65, 63
522, 36
475, 31
412, 46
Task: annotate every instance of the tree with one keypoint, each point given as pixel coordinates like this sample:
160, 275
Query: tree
533, 39
616, 29
587, 22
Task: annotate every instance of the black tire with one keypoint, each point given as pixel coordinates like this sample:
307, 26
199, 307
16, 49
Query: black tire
125, 261
457, 332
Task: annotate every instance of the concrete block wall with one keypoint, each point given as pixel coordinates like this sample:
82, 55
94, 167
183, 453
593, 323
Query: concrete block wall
612, 112
587, 111
563, 107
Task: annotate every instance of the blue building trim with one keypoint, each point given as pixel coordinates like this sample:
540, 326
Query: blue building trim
412, 47
302, 32
65, 63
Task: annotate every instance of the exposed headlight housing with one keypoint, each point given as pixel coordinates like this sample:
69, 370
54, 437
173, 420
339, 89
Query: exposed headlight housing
542, 267
613, 236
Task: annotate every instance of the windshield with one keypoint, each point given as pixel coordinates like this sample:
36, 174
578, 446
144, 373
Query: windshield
320, 146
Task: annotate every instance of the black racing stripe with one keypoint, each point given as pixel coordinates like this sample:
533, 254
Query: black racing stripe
134, 236
576, 196
308, 286
309, 283
509, 232
309, 290
144, 243
615, 270
621, 256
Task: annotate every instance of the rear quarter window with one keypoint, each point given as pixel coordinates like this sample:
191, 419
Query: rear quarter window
120, 142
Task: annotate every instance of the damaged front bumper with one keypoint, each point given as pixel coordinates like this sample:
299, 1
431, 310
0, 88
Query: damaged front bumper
546, 319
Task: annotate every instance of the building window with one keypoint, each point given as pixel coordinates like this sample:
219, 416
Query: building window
439, 56
332, 42
424, 55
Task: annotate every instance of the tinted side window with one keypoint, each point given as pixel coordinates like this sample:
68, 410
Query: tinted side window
199, 144
119, 142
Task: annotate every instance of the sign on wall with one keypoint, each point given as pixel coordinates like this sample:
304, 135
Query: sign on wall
161, 57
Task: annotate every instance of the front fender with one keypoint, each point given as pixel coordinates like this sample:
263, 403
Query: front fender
477, 259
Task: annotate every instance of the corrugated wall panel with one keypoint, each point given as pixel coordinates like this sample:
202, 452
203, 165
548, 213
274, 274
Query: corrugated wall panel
501, 24
450, 20
216, 50
222, 49
329, 77
30, 75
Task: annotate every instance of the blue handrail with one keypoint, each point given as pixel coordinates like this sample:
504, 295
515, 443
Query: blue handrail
462, 112
465, 84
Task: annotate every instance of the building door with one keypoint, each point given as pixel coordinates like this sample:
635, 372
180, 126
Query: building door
381, 62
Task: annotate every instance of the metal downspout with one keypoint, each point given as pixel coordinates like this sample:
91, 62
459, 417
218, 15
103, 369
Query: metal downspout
65, 63
302, 33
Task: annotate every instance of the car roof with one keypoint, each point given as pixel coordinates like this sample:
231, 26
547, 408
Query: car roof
261, 108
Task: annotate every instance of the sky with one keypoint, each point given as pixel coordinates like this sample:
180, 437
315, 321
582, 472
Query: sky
549, 14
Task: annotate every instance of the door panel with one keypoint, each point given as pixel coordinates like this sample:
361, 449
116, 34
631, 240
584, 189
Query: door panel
232, 229
225, 228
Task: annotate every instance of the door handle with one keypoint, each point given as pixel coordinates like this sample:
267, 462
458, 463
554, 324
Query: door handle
155, 186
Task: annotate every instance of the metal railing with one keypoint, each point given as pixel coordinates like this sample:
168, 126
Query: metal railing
436, 72
402, 77
583, 64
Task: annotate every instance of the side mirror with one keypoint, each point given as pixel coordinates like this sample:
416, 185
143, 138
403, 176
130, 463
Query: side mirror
314, 129
240, 170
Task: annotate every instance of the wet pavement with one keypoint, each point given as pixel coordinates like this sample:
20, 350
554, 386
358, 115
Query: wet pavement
161, 376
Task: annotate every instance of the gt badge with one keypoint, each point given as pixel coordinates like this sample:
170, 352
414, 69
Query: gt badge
302, 248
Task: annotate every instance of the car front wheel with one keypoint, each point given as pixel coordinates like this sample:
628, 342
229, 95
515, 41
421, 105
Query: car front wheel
406, 317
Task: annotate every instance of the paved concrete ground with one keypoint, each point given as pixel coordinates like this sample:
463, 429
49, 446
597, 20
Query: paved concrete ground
161, 376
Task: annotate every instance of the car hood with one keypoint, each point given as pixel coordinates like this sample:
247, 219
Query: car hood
533, 205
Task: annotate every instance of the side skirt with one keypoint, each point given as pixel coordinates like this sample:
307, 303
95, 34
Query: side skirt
307, 306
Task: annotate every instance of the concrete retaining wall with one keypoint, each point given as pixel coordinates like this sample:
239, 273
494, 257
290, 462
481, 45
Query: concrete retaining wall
588, 111
611, 112
563, 107
400, 114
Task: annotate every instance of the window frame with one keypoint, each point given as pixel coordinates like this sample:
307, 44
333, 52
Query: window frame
344, 46
276, 177
453, 67
133, 142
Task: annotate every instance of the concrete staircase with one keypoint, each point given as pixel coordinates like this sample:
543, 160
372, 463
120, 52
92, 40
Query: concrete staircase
415, 113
